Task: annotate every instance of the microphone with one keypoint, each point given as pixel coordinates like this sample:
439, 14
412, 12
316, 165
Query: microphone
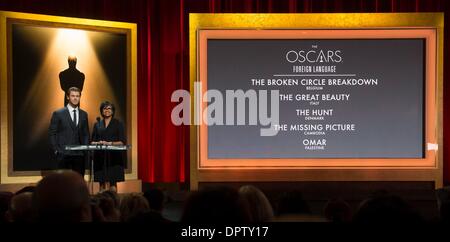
98, 122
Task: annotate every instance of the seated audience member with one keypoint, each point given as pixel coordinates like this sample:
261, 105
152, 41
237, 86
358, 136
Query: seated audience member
216, 205
155, 199
113, 195
20, 208
259, 205
30, 189
386, 208
337, 210
131, 205
443, 199
292, 203
293, 208
149, 217
62, 197
108, 207
96, 211
5, 199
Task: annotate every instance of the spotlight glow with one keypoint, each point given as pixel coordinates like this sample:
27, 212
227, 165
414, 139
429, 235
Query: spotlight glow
45, 94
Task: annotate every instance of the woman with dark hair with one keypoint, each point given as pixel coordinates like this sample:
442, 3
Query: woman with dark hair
108, 165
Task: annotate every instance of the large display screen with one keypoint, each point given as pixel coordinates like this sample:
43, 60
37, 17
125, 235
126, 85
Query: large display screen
337, 98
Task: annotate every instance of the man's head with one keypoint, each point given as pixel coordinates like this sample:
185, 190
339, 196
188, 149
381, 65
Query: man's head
72, 60
73, 95
62, 197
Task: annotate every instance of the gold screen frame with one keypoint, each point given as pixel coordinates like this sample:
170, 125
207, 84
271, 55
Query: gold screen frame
7, 175
244, 26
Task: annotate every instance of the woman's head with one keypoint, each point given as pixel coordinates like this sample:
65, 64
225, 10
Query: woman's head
107, 109
259, 205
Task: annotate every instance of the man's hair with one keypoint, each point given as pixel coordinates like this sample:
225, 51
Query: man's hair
73, 89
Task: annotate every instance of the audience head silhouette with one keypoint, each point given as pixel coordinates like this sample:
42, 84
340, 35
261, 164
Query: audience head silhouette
386, 208
108, 205
20, 208
155, 198
62, 197
216, 204
132, 205
5, 199
292, 202
443, 199
259, 205
337, 210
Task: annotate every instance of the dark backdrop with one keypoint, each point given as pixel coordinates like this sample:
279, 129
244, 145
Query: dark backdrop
163, 59
32, 91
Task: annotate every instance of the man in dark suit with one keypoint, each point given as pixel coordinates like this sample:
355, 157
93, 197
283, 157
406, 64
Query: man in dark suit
71, 77
69, 126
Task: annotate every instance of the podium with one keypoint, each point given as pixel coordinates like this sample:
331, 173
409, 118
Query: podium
89, 149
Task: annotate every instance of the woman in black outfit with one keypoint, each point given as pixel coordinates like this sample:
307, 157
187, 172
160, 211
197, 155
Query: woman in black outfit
108, 165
